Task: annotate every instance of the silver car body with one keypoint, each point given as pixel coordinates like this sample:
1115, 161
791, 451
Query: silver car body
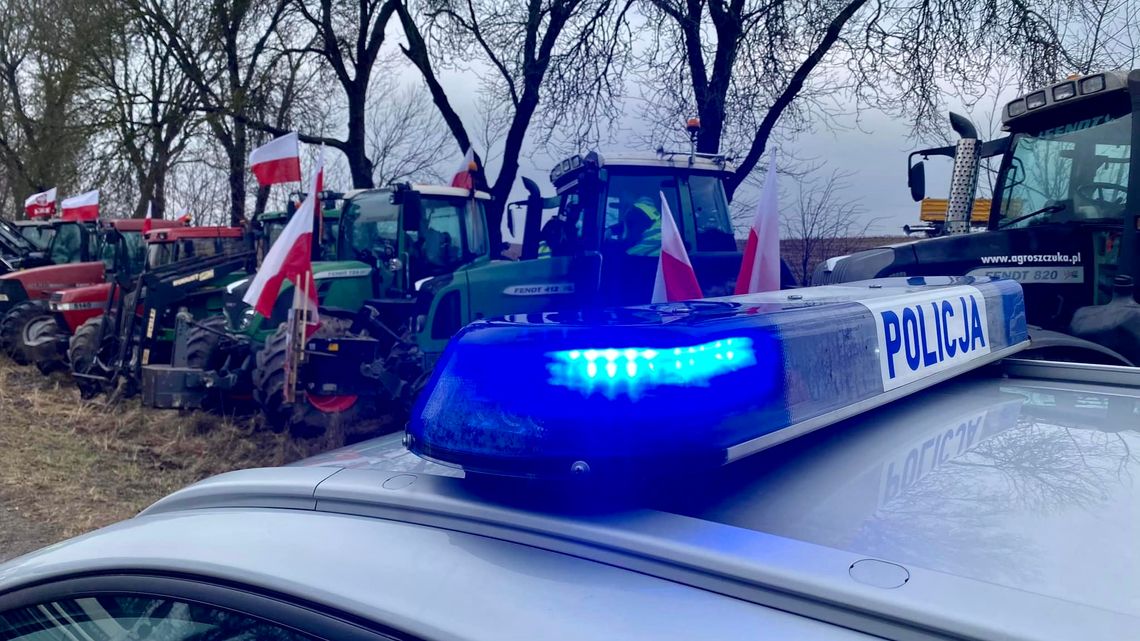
1000, 505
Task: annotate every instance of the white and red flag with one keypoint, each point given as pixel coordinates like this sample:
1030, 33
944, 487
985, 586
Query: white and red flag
760, 269
290, 256
277, 161
184, 216
83, 207
676, 279
465, 177
147, 221
40, 206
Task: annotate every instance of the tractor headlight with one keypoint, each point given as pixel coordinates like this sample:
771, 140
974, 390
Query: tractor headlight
1035, 100
246, 319
1065, 91
1092, 84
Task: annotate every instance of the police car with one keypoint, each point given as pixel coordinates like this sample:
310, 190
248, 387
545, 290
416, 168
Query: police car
756, 467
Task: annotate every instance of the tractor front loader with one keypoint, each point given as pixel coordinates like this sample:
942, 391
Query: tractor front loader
108, 353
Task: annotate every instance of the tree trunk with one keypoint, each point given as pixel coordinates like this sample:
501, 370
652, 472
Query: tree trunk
356, 151
261, 200
237, 153
160, 188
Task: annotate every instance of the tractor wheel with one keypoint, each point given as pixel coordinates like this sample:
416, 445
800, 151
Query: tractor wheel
81, 352
269, 381
46, 330
202, 343
13, 325
310, 415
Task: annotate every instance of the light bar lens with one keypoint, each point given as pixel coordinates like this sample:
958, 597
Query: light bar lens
1092, 84
628, 370
639, 390
1035, 100
1016, 108
1065, 91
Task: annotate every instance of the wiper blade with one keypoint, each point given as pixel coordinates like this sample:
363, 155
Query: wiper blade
1043, 210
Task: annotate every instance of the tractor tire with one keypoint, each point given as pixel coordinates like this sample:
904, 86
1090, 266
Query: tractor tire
13, 325
269, 381
307, 417
46, 329
81, 352
202, 343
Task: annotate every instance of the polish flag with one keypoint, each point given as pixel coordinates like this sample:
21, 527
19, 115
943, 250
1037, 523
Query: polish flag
676, 279
40, 206
760, 269
184, 216
277, 161
464, 178
83, 207
290, 257
148, 219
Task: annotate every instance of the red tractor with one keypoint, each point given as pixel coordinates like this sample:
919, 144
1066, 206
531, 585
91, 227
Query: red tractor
73, 308
81, 257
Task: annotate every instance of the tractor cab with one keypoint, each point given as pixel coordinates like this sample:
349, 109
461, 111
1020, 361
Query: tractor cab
16, 251
165, 246
1062, 221
412, 233
37, 232
268, 225
612, 206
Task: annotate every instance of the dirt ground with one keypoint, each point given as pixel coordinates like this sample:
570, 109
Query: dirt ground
68, 466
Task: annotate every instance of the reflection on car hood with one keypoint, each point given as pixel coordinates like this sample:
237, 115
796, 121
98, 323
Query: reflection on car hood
1026, 484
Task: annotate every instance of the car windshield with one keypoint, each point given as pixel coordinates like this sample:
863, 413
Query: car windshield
1076, 170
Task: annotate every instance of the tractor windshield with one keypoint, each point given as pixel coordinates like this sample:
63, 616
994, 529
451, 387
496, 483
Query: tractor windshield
67, 244
697, 202
164, 253
375, 228
454, 231
1071, 170
131, 247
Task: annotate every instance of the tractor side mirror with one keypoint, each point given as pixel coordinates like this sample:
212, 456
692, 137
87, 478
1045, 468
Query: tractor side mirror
916, 180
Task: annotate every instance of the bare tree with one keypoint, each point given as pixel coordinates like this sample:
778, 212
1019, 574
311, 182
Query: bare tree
822, 222
406, 136
43, 126
224, 48
148, 101
751, 67
561, 55
349, 36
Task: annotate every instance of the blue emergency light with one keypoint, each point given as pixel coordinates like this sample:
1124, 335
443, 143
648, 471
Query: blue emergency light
633, 390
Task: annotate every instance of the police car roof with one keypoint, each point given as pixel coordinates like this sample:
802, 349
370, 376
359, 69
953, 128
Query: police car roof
988, 507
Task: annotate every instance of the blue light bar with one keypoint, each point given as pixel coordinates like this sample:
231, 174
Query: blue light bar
633, 391
613, 372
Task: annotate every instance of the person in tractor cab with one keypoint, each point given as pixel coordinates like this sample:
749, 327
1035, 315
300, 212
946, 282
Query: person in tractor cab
639, 228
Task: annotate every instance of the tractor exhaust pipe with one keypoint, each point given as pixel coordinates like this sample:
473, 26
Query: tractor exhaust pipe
964, 179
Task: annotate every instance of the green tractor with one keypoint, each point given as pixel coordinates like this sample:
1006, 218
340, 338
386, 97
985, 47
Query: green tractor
184, 276
428, 264
213, 355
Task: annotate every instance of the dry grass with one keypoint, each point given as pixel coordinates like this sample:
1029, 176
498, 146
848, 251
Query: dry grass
69, 466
